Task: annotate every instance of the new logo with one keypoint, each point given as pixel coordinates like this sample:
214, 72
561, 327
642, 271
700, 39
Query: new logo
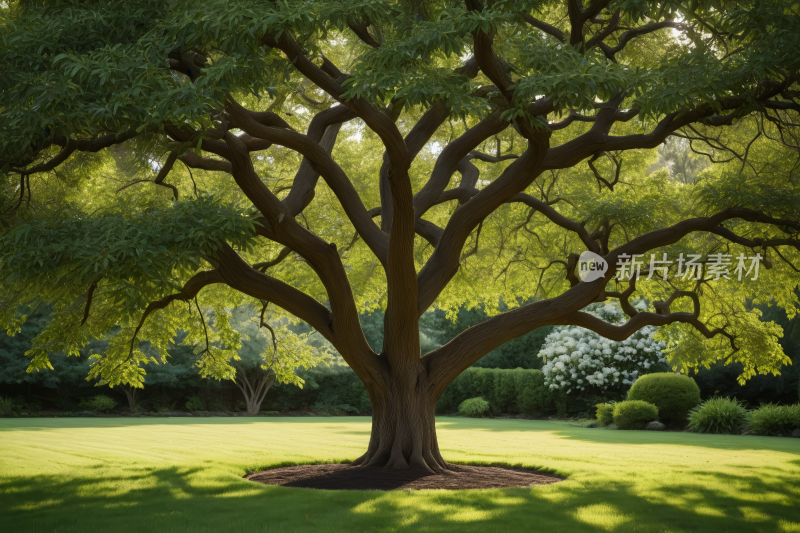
591, 266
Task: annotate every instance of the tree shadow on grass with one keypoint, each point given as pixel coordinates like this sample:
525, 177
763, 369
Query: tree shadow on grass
198, 499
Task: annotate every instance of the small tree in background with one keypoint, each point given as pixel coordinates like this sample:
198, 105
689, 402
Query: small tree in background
268, 354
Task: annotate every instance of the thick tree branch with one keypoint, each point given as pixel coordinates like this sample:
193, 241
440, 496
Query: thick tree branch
447, 362
545, 27
237, 274
626, 37
323, 129
320, 256
443, 263
89, 297
451, 156
334, 176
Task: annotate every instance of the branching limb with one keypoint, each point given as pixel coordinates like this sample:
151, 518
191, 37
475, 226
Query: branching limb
192, 160
89, 296
626, 37
334, 176
450, 158
324, 129
283, 254
443, 263
545, 27
205, 329
597, 139
162, 174
189, 291
599, 178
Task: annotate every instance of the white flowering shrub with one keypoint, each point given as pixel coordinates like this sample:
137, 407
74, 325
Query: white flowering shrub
577, 359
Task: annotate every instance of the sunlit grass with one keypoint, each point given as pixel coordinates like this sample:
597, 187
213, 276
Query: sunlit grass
176, 475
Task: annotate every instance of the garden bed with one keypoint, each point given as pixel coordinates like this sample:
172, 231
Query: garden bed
346, 477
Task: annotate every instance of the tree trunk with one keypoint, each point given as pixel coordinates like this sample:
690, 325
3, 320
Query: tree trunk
403, 425
130, 393
255, 400
254, 392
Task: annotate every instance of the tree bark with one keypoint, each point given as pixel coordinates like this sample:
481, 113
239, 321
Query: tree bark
130, 394
403, 423
254, 391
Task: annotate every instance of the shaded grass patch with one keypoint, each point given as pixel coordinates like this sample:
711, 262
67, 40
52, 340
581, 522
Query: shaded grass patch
185, 475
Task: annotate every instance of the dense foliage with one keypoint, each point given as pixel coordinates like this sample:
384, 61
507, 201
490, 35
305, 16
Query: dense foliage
721, 379
506, 391
674, 394
774, 420
77, 71
718, 415
605, 413
634, 414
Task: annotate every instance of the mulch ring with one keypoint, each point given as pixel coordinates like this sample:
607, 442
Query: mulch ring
346, 477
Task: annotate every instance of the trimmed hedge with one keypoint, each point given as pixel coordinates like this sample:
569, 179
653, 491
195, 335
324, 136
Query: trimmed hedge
507, 391
718, 415
605, 413
673, 394
634, 414
774, 420
474, 407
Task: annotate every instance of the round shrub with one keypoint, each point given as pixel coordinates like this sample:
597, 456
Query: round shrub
634, 414
674, 394
718, 415
605, 413
474, 407
774, 420
98, 404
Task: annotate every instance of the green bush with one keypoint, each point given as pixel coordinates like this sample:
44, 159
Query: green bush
319, 382
474, 407
673, 394
329, 404
8, 406
718, 415
32, 404
507, 391
530, 400
634, 414
98, 404
605, 413
194, 403
774, 420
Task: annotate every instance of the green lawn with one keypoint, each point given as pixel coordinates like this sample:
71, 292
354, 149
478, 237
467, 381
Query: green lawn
185, 474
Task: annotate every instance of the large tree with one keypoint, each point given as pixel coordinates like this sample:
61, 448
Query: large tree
155, 149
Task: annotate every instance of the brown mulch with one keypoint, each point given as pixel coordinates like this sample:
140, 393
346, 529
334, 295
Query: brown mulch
346, 477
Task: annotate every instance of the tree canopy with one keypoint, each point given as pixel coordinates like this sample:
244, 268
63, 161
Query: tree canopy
153, 153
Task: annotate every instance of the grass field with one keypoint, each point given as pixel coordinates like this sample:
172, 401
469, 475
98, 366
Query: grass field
185, 475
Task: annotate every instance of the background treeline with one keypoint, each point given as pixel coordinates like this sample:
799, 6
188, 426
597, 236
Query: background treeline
332, 388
